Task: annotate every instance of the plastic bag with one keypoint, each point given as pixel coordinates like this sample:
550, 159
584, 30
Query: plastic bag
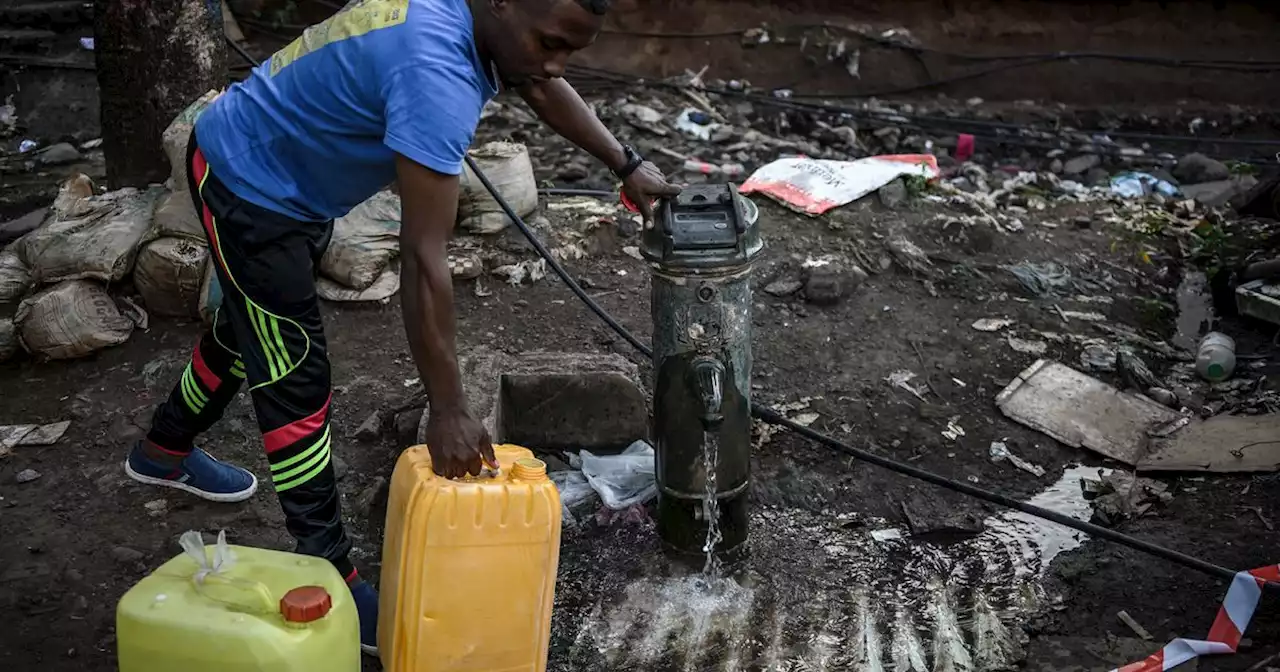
169, 274
575, 492
101, 244
364, 242
224, 558
71, 319
508, 167
814, 186
622, 480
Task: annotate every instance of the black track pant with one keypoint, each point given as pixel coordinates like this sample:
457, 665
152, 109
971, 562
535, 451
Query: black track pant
267, 331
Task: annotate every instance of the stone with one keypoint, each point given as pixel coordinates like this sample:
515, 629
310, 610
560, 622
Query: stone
1097, 177
1056, 166
17, 228
370, 429
340, 468
554, 400
1217, 194
156, 507
407, 426
827, 285
125, 554
1197, 168
62, 152
940, 518
894, 194
27, 475
1081, 164
783, 287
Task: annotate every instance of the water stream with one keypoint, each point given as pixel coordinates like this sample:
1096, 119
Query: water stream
711, 504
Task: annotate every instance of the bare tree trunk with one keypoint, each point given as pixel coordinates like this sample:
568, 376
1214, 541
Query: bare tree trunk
154, 58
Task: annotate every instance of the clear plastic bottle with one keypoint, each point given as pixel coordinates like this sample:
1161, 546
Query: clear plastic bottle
1216, 357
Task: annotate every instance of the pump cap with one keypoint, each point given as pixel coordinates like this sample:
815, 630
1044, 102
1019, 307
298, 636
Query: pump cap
305, 604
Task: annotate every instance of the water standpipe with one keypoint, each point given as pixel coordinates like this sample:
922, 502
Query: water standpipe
700, 253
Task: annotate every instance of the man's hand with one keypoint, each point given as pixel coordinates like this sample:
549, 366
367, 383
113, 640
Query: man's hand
646, 185
458, 443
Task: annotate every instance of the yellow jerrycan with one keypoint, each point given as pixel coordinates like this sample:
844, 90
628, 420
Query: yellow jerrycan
238, 609
469, 567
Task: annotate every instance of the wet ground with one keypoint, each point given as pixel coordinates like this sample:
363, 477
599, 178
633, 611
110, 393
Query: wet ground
830, 585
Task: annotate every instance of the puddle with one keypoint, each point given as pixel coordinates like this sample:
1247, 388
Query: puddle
1195, 311
815, 595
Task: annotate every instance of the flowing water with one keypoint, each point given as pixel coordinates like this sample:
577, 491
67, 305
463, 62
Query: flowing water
817, 593
711, 504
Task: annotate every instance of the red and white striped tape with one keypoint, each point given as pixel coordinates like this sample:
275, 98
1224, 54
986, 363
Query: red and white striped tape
1224, 637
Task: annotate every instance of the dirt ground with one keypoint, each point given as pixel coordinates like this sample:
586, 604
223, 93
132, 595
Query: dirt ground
71, 535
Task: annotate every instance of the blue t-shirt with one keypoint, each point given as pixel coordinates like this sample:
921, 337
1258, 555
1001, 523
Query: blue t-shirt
314, 131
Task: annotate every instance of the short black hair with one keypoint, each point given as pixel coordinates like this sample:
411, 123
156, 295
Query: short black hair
597, 7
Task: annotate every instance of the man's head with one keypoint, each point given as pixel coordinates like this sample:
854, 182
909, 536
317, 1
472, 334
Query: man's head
531, 40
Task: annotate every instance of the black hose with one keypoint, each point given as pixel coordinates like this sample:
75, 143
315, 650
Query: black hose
597, 193
773, 417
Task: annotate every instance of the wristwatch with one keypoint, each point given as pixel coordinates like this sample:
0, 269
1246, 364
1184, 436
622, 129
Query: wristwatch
633, 162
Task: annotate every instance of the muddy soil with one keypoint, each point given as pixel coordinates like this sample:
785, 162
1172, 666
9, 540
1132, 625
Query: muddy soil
81, 534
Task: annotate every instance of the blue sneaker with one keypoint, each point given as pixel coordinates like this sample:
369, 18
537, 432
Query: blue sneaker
199, 474
367, 606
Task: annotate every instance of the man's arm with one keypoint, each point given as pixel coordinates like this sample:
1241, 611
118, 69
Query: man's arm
557, 104
429, 202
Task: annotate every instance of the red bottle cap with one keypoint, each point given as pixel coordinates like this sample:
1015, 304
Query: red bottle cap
305, 604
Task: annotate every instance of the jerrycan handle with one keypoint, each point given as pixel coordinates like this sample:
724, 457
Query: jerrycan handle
212, 582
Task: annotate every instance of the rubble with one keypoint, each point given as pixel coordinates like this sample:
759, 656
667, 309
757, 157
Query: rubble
1119, 496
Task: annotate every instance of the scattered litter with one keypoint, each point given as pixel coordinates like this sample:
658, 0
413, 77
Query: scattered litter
13, 436
814, 186
1134, 371
1027, 347
1139, 185
1133, 625
1098, 357
576, 494
1216, 357
1082, 316
86, 43
27, 146
890, 534
909, 255
526, 271
1041, 279
1000, 452
992, 324
902, 379
27, 475
805, 419
1120, 496
1083, 412
696, 123
953, 431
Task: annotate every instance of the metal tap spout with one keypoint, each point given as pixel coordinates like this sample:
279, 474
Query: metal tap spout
707, 376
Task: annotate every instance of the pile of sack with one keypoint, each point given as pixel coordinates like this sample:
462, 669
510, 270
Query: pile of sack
59, 274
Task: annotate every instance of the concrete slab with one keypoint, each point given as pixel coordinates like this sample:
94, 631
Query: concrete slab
555, 400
